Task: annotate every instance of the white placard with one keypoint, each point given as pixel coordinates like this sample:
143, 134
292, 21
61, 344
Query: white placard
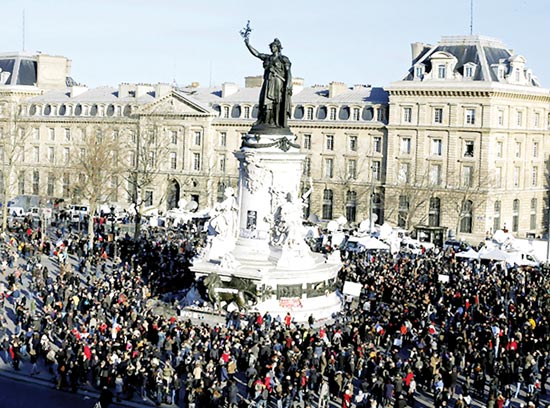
352, 288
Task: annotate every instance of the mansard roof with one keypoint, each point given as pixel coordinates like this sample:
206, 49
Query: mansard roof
487, 54
317, 94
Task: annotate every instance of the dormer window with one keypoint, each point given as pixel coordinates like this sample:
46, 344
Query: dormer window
419, 72
441, 71
469, 70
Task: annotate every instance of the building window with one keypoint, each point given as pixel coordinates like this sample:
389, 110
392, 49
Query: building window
468, 71
499, 149
516, 176
403, 212
466, 217
307, 142
467, 176
434, 212
66, 185
518, 150
114, 188
437, 147
498, 177
35, 182
67, 133
535, 176
36, 154
519, 118
222, 162
223, 139
66, 155
496, 216
221, 192
406, 145
21, 182
51, 185
356, 114
148, 199
51, 154
309, 113
533, 215
247, 112
152, 160
307, 167
332, 114
174, 136
438, 115
515, 215
131, 158
328, 198
329, 142
419, 72
537, 119
35, 134
352, 169
226, 111
407, 115
441, 71
468, 148
500, 117
351, 206
173, 160
352, 143
196, 161
329, 168
51, 134
380, 114
197, 139
404, 172
376, 170
377, 144
435, 174
470, 116
535, 149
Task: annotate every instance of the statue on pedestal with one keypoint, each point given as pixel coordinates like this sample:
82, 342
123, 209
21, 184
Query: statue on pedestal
275, 95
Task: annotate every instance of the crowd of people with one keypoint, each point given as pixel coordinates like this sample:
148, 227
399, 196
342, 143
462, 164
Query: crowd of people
456, 332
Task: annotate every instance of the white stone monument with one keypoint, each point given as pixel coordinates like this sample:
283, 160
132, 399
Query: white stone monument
266, 245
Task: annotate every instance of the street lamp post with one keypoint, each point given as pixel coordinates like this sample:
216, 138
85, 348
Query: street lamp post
113, 230
371, 200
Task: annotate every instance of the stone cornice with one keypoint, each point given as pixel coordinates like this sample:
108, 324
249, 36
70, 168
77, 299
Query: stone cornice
470, 93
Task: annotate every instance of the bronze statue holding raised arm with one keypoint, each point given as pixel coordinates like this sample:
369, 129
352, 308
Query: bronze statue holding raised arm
274, 103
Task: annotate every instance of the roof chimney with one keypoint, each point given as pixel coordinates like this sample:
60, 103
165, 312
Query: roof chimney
229, 88
253, 81
77, 90
336, 88
416, 49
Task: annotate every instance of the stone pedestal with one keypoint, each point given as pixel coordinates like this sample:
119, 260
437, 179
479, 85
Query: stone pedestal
269, 248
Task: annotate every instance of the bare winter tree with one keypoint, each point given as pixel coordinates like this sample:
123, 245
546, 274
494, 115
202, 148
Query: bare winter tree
97, 165
14, 135
411, 196
148, 151
469, 194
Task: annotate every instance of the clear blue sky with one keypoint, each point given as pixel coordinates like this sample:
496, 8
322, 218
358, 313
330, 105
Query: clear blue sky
354, 41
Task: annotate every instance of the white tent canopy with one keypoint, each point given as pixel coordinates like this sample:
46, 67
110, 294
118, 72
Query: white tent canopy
370, 243
494, 254
469, 254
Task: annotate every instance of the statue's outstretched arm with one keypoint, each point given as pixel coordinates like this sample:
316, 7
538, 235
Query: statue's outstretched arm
252, 50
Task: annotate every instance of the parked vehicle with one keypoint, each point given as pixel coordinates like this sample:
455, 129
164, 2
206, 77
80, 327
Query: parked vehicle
16, 211
457, 246
414, 246
39, 212
77, 212
521, 258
